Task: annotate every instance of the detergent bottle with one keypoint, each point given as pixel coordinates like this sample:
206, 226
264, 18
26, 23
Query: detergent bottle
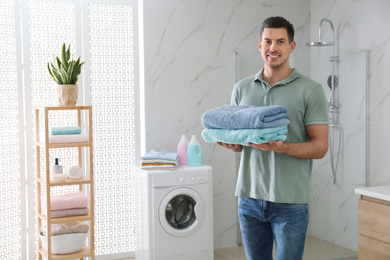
182, 148
194, 152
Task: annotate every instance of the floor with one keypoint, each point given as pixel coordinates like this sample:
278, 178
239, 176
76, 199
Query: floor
314, 249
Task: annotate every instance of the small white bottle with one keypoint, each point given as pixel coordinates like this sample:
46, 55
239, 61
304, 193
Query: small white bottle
56, 168
182, 150
194, 152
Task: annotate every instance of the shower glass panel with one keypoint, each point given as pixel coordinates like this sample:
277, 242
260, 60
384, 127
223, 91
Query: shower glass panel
333, 207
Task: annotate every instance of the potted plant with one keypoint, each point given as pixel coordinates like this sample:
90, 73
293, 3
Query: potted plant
65, 72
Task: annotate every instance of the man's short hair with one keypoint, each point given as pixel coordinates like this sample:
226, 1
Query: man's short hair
278, 22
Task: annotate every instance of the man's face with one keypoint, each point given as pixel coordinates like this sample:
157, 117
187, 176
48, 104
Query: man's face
275, 48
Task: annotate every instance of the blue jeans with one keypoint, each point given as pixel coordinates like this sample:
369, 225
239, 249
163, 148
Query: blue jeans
262, 222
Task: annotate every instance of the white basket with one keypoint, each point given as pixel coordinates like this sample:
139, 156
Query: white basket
65, 244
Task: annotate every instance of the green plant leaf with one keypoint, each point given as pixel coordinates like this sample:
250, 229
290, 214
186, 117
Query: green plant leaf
65, 70
64, 58
57, 78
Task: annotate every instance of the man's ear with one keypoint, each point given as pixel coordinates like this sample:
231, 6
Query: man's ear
292, 46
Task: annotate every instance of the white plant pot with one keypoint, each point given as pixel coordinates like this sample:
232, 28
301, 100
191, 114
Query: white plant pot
67, 95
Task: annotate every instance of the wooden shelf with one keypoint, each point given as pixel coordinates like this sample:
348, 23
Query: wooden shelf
45, 185
64, 145
85, 252
82, 180
66, 219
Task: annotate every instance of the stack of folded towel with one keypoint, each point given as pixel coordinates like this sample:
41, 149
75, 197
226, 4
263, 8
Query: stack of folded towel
66, 238
71, 204
66, 134
65, 228
245, 124
159, 160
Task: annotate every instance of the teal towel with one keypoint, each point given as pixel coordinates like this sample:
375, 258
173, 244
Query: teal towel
245, 136
64, 130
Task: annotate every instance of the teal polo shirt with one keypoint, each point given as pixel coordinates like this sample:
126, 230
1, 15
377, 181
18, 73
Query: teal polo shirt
272, 176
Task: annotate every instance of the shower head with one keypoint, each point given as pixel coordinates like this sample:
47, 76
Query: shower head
319, 44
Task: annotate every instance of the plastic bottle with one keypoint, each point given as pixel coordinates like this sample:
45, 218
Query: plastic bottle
182, 150
194, 152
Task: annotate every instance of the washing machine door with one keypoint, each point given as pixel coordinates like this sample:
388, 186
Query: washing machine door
181, 212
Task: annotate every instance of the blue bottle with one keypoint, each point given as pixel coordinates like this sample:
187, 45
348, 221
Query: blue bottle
194, 152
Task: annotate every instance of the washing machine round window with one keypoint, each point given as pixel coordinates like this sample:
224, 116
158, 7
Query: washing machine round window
181, 212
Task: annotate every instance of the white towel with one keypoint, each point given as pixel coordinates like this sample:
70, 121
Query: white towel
58, 139
74, 172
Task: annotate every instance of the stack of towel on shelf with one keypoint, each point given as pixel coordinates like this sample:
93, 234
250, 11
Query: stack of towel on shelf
66, 134
245, 124
65, 228
64, 205
159, 160
70, 237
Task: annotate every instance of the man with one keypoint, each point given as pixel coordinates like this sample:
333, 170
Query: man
273, 183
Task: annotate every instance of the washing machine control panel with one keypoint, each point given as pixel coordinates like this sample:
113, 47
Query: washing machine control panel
181, 176
189, 179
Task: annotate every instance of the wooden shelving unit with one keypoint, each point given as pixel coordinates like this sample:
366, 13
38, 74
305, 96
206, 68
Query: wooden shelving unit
44, 183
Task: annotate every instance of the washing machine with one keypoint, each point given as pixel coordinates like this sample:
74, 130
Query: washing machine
179, 214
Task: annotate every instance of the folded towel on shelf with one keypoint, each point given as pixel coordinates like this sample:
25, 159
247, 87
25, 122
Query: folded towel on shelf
245, 136
63, 139
64, 130
245, 117
66, 201
65, 228
164, 154
69, 212
74, 172
157, 165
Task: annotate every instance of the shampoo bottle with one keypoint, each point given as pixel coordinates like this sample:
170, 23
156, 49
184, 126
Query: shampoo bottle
194, 152
182, 148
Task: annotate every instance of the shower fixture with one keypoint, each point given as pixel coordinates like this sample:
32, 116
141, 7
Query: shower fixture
333, 103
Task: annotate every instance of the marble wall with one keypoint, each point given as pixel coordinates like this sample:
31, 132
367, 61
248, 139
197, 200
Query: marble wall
189, 68
363, 38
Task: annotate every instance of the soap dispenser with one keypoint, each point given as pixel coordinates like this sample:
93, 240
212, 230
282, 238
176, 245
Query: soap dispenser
56, 168
194, 152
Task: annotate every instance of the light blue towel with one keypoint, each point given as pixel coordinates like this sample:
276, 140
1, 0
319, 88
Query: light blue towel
64, 130
164, 154
245, 117
245, 136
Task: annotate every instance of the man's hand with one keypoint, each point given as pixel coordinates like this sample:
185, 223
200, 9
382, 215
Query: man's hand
233, 147
271, 146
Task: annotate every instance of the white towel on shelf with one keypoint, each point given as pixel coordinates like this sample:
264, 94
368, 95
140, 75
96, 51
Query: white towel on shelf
63, 139
74, 172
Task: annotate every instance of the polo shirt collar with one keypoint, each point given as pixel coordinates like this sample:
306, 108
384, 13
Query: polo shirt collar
294, 75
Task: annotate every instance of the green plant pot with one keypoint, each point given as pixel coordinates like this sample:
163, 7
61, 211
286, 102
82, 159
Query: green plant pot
67, 95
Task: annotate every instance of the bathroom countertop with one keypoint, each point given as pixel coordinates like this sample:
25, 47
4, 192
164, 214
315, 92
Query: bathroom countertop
377, 192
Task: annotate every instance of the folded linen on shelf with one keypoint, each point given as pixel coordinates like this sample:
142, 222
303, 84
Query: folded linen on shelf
157, 165
61, 139
163, 154
68, 212
245, 136
159, 160
245, 117
64, 130
66, 201
65, 228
